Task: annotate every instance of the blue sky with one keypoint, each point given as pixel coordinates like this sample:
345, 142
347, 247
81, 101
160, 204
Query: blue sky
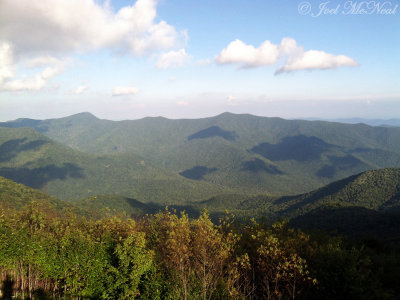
189, 59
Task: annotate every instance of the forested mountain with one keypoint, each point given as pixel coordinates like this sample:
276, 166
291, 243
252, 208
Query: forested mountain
243, 153
45, 254
372, 122
28, 157
363, 206
16, 196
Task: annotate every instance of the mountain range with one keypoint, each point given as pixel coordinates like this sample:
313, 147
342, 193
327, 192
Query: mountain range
164, 161
366, 205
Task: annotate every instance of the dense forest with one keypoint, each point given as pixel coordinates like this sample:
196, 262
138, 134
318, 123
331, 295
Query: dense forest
167, 161
46, 253
313, 209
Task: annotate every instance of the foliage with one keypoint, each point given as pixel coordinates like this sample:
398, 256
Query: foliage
224, 154
28, 157
170, 256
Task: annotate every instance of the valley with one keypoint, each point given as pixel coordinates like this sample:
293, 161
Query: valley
102, 195
174, 161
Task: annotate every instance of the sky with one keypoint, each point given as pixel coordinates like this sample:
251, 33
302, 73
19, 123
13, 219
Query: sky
192, 59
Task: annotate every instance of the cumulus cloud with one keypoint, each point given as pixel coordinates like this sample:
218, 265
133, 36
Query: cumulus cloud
37, 34
6, 62
80, 89
44, 68
237, 52
313, 59
125, 90
173, 59
294, 57
65, 26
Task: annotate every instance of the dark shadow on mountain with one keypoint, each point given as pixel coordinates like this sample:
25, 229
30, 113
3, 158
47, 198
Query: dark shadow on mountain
300, 148
213, 131
356, 222
285, 199
137, 204
35, 124
37, 178
312, 197
363, 150
383, 158
257, 165
338, 163
12, 148
197, 172
326, 171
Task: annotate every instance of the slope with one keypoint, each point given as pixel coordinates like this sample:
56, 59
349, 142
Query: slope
28, 157
362, 206
15, 196
377, 190
243, 152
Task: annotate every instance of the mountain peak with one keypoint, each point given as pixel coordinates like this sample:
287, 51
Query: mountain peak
83, 115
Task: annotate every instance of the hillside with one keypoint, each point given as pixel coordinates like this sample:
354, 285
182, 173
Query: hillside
365, 206
16, 196
376, 190
28, 157
362, 206
245, 153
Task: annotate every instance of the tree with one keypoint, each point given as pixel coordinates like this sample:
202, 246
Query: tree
209, 254
134, 260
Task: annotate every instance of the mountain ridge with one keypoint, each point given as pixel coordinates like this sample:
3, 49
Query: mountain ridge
29, 157
240, 152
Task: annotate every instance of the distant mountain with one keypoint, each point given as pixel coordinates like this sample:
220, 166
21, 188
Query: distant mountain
241, 153
28, 157
362, 206
371, 122
375, 190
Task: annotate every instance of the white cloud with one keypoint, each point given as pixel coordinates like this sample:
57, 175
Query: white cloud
173, 59
80, 89
125, 90
6, 62
63, 26
48, 68
248, 56
41, 61
313, 59
293, 56
35, 34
